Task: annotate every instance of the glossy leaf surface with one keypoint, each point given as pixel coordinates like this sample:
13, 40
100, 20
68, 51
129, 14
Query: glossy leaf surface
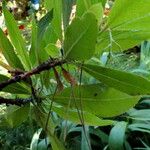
8, 52
16, 38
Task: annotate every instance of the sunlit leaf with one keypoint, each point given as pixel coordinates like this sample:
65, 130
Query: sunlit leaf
97, 99
56, 25
89, 119
128, 25
120, 80
8, 52
16, 38
78, 34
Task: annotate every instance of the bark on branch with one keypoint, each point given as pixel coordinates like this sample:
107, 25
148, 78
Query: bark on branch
42, 67
17, 101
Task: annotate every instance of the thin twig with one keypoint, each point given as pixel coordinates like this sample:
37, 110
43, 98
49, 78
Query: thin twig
49, 113
81, 107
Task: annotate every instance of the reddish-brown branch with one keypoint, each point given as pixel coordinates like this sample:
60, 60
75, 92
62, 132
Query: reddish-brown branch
42, 67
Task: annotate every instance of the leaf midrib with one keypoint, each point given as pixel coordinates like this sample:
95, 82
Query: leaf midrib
98, 99
124, 83
78, 39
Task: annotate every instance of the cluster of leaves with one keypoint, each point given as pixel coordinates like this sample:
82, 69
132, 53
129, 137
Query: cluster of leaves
75, 47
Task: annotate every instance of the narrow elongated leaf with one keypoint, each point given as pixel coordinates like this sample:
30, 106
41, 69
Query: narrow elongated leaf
78, 34
97, 99
5, 65
99, 133
117, 136
15, 88
85, 139
8, 52
140, 127
16, 38
143, 114
127, 29
123, 81
67, 7
37, 52
56, 25
89, 119
33, 50
42, 27
44, 22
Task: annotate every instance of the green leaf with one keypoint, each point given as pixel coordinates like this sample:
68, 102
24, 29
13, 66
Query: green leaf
41, 118
42, 26
8, 52
97, 99
50, 35
82, 7
43, 23
56, 25
35, 140
33, 50
120, 80
37, 51
120, 39
99, 133
142, 127
67, 7
128, 25
85, 139
85, 5
16, 38
78, 34
12, 113
103, 2
117, 136
129, 13
52, 50
142, 115
97, 10
14, 88
89, 119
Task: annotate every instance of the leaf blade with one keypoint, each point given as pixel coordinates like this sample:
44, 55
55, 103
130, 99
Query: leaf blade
117, 136
8, 52
16, 38
121, 80
97, 99
76, 38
